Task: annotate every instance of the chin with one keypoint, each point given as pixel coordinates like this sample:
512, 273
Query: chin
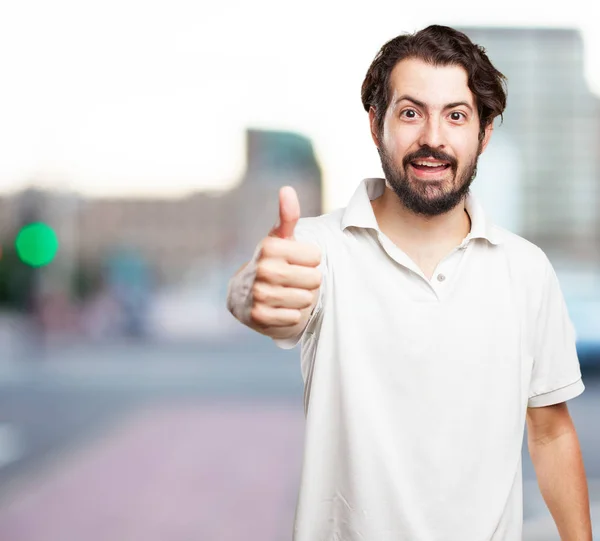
432, 189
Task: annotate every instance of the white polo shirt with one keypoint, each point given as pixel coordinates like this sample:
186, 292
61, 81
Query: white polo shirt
416, 390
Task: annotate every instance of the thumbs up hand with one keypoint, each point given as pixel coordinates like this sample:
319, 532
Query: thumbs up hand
284, 281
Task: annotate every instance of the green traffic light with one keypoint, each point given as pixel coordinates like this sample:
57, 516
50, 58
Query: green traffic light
36, 244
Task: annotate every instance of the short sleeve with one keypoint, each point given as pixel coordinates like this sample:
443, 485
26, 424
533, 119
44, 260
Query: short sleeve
307, 231
556, 373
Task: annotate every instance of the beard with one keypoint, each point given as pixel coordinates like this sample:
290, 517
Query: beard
417, 196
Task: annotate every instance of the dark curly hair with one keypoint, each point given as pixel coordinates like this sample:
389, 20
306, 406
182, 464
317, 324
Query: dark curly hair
439, 46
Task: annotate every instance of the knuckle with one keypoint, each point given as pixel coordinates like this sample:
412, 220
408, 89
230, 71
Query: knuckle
295, 317
271, 271
312, 253
263, 293
258, 292
306, 298
317, 255
263, 271
268, 247
258, 315
318, 277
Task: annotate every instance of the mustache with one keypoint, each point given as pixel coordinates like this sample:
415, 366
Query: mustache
428, 152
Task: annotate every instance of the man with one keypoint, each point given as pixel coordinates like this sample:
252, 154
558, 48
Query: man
429, 335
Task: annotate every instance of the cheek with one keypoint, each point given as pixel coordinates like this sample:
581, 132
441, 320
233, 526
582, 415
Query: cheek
466, 153
400, 142
469, 142
472, 157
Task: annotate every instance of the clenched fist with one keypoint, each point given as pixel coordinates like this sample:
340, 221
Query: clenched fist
275, 293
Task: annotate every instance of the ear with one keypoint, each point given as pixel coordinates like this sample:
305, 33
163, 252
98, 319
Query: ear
487, 134
373, 126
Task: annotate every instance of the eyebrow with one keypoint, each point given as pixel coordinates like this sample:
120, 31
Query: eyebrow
424, 106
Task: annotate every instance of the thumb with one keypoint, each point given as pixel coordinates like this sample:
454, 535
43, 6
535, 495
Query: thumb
289, 213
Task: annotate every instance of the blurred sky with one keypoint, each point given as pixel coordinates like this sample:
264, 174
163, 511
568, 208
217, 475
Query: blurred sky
152, 97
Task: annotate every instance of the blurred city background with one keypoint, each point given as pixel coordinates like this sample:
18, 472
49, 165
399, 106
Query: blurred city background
143, 147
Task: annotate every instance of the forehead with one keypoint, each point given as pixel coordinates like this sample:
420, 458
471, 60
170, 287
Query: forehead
434, 85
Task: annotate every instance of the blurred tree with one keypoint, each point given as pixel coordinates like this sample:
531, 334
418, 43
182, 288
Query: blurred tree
16, 280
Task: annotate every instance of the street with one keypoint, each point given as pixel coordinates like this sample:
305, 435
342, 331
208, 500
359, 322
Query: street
176, 442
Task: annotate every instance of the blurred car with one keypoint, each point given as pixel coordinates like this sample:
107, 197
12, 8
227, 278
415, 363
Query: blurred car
585, 315
195, 307
582, 294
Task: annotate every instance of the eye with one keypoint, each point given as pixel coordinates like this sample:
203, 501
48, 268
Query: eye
408, 113
457, 115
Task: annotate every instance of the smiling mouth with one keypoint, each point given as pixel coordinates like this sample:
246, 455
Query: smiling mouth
429, 166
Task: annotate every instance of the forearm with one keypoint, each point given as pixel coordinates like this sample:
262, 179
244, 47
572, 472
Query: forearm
561, 477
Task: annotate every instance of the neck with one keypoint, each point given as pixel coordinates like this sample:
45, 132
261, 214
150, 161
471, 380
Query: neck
408, 229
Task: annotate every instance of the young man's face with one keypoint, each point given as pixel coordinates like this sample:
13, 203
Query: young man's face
430, 143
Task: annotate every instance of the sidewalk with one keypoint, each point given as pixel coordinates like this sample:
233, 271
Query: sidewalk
197, 472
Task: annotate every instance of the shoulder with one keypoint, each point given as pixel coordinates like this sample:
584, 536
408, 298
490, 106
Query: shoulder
521, 252
529, 266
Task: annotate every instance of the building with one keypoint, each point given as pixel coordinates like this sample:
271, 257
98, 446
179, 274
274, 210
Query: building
553, 122
201, 233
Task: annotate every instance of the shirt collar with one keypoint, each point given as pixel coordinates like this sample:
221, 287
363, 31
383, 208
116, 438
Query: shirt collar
359, 212
481, 225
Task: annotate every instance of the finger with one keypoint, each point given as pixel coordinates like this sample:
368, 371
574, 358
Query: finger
282, 297
296, 253
289, 213
276, 272
267, 316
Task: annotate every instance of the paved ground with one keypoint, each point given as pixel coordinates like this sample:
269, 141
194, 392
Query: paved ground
132, 443
190, 472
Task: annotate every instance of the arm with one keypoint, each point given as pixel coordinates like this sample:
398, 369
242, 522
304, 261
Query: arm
556, 456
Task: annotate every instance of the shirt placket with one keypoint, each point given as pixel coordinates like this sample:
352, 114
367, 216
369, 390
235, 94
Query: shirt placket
446, 270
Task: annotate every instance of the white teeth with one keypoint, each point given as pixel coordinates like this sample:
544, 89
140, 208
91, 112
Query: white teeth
430, 164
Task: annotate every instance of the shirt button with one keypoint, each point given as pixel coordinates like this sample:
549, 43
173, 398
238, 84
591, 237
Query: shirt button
440, 277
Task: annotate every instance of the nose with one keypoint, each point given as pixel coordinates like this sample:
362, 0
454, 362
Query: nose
432, 133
